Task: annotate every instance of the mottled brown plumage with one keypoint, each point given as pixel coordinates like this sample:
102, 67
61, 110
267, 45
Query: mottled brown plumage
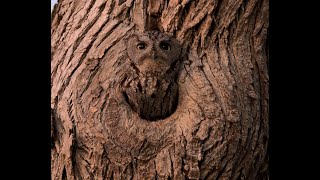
150, 87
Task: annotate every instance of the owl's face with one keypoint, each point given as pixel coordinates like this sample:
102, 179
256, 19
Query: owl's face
153, 51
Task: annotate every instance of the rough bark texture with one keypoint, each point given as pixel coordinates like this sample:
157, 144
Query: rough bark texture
219, 129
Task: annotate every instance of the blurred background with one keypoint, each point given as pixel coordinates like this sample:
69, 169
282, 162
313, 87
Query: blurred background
52, 3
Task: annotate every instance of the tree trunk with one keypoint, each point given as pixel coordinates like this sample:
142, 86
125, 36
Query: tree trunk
218, 128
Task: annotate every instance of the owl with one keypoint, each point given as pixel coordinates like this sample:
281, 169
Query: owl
153, 52
151, 88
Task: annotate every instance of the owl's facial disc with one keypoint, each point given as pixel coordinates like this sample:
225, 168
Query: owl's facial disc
153, 67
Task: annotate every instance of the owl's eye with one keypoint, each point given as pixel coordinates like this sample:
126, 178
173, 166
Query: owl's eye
141, 46
165, 46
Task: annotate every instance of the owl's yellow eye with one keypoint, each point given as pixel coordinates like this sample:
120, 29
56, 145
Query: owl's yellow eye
165, 46
141, 46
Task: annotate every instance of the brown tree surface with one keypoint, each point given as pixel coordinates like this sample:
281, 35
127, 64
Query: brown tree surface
219, 128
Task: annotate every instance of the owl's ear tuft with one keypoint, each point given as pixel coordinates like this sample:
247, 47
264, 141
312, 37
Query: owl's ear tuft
126, 38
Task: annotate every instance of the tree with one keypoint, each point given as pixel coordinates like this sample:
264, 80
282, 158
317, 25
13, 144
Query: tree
219, 129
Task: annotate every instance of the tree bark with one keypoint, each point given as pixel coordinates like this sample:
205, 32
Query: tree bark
219, 129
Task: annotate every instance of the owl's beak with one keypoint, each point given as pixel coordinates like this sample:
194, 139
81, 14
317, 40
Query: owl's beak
153, 55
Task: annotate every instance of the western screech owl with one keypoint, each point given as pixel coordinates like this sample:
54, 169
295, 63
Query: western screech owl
150, 87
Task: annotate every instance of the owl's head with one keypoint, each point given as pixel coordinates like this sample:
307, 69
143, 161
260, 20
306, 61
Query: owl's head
153, 47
